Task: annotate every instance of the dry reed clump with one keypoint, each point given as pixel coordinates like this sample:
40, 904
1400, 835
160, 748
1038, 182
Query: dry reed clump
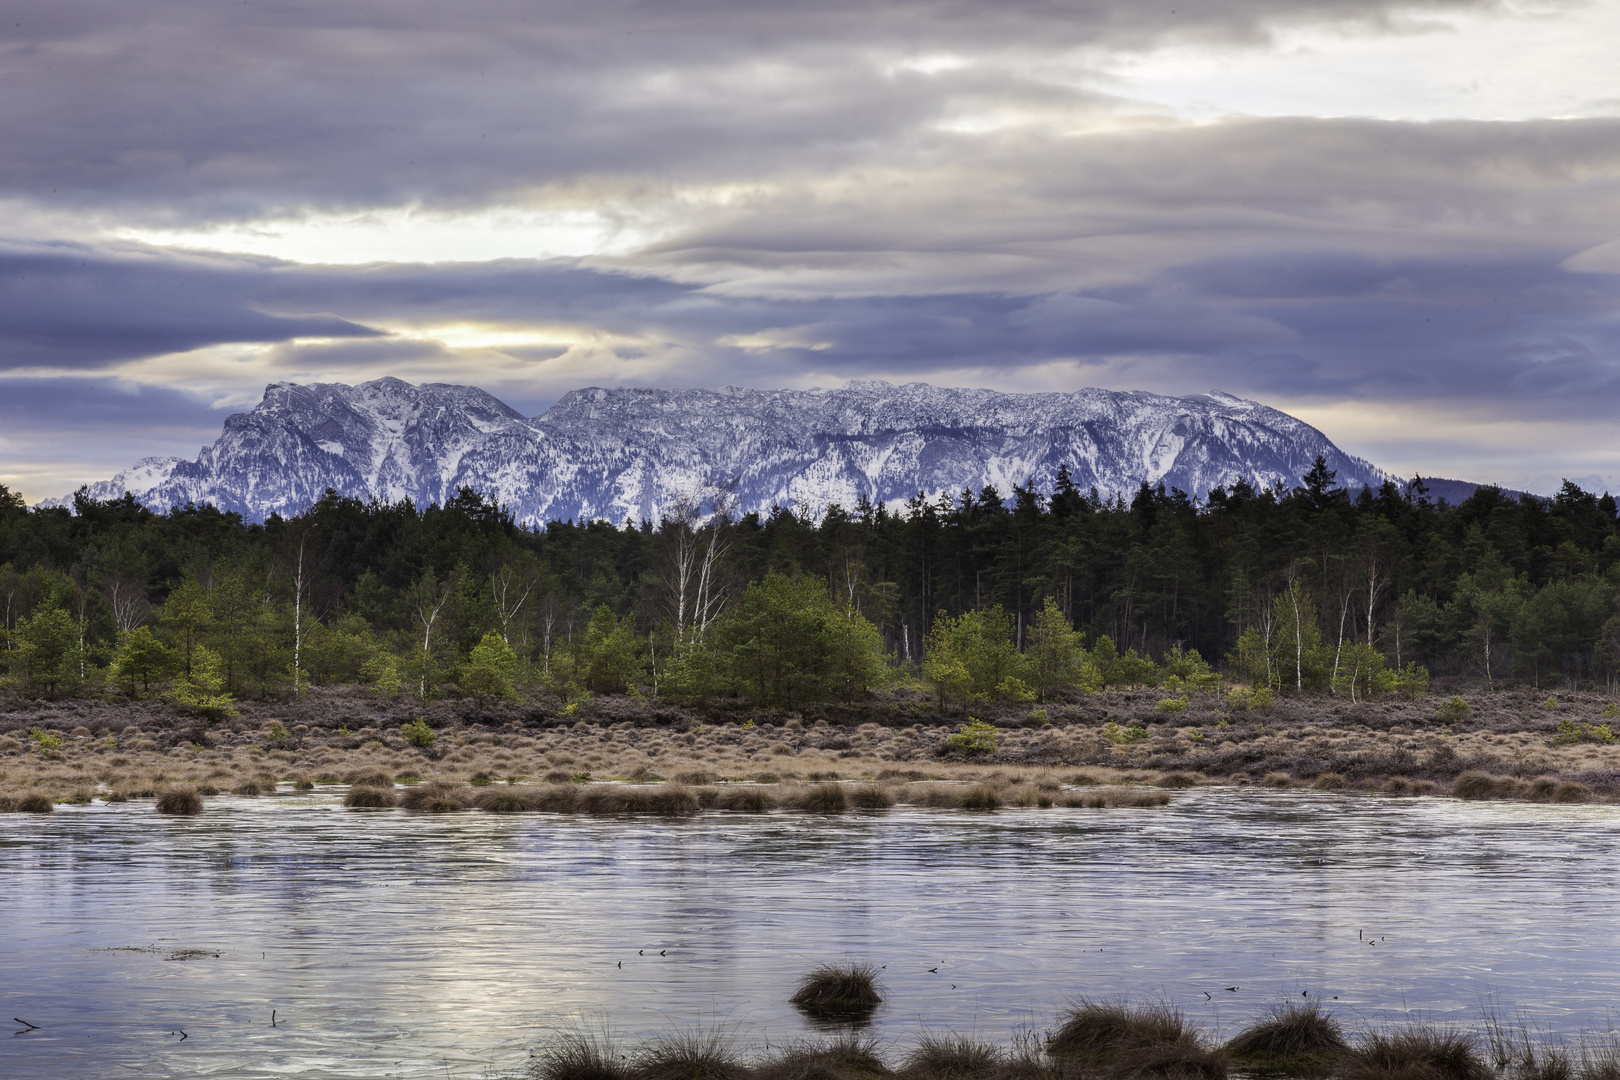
745, 800
871, 797
694, 1056
838, 992
820, 799
32, 803
1296, 1039
248, 787
980, 796
366, 797
669, 800
1123, 1041
370, 778
1329, 781
436, 796
580, 1056
952, 1057
1478, 785
1110, 798
180, 800
849, 1057
507, 800
1422, 1052
1278, 780
1177, 780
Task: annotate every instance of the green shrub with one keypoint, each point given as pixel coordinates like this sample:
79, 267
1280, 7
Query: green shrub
1551, 704
1121, 736
974, 737
46, 743
418, 734
1453, 709
1262, 700
1171, 705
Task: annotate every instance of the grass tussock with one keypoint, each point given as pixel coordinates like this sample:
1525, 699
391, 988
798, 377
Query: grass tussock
1121, 1040
839, 992
1295, 1039
849, 1057
1422, 1052
580, 1056
1107, 798
369, 778
820, 799
436, 797
180, 800
367, 797
953, 1057
32, 803
871, 797
745, 800
695, 1056
669, 800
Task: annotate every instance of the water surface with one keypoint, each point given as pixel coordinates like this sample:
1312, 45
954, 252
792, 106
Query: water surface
396, 944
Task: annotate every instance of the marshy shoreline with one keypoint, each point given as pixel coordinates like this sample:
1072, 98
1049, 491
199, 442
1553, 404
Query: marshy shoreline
1094, 1039
625, 755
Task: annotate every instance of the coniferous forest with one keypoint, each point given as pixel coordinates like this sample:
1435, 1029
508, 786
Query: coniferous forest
1014, 596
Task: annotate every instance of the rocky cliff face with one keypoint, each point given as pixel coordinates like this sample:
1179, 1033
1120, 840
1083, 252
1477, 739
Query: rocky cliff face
618, 454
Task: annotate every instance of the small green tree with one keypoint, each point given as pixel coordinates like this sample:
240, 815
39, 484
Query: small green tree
979, 643
143, 658
201, 692
186, 615
974, 737
1054, 654
48, 644
490, 669
609, 653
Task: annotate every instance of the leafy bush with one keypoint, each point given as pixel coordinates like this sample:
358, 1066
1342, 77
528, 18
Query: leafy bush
418, 734
1171, 705
1121, 736
46, 743
201, 692
974, 737
1453, 709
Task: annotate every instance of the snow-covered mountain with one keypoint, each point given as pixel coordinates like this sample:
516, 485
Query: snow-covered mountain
619, 454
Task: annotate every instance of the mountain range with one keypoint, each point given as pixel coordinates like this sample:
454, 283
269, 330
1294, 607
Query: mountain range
619, 454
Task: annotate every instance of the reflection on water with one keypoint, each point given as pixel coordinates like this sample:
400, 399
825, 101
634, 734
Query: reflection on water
391, 944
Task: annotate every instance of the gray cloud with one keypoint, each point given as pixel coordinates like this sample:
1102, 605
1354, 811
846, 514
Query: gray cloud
67, 305
171, 111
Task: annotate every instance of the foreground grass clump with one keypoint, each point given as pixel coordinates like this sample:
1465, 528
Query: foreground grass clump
670, 800
695, 1056
849, 1057
1121, 1040
953, 1057
580, 1056
180, 800
1296, 1039
1421, 1053
367, 797
33, 803
839, 992
821, 799
436, 796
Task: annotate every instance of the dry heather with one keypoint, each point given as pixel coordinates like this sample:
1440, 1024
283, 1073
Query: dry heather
1105, 750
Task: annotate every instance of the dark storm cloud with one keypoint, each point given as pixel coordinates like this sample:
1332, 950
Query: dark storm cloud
67, 305
172, 110
1325, 323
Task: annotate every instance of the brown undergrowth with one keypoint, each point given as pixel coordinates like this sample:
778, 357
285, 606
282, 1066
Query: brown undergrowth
1103, 750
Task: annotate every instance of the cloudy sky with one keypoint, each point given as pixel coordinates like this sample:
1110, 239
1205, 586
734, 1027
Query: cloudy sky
1401, 223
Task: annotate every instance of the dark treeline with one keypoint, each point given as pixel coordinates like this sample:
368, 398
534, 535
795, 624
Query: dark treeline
1305, 589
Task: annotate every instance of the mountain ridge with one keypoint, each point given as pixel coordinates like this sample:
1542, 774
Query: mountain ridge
631, 453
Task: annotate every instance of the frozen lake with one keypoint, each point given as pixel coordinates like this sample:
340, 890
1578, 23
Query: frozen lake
397, 944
